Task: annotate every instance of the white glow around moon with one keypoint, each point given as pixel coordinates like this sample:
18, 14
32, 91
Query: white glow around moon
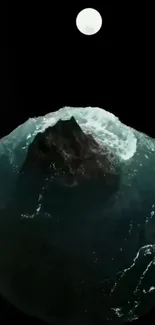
89, 21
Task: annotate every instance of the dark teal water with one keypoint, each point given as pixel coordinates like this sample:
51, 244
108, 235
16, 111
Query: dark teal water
82, 255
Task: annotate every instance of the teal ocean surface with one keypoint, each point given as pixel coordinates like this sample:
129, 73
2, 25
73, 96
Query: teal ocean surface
83, 253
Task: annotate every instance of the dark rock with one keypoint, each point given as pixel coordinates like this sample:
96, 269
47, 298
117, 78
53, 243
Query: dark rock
65, 148
66, 158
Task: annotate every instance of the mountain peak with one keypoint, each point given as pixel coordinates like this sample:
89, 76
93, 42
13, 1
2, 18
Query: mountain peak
65, 153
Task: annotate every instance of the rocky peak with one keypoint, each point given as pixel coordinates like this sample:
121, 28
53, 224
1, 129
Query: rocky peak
63, 159
65, 149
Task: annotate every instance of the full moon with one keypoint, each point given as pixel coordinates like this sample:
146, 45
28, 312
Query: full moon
89, 21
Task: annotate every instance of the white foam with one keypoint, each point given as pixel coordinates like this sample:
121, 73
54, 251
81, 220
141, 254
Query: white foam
103, 125
106, 128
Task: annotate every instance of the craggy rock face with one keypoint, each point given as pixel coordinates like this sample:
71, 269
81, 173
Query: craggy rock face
66, 149
64, 159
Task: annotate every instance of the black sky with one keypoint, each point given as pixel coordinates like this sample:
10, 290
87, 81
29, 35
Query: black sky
50, 64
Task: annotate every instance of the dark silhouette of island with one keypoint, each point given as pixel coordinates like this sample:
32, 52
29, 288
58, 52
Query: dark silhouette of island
65, 158
64, 149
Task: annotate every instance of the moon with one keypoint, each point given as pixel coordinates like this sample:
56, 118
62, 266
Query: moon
89, 21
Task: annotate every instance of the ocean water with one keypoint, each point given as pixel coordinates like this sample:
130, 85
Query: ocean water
83, 254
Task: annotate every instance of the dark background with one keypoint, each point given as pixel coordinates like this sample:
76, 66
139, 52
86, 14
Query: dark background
46, 63
49, 64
